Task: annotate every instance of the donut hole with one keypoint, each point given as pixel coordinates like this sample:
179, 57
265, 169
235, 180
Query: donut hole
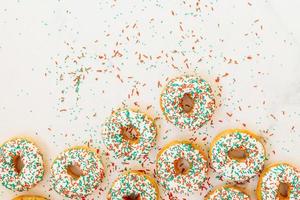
132, 197
182, 166
130, 134
283, 190
74, 171
238, 154
187, 103
18, 164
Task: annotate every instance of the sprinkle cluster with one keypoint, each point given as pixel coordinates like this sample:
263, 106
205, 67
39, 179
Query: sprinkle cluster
231, 169
202, 95
276, 174
32, 171
227, 192
134, 183
181, 183
114, 140
90, 165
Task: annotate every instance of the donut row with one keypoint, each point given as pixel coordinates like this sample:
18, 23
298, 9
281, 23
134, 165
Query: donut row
22, 167
171, 173
181, 166
233, 168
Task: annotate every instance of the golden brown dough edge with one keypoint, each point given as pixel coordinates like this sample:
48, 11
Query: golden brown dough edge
29, 197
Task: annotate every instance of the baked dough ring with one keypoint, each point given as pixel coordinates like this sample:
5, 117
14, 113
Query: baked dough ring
197, 90
227, 192
136, 183
237, 169
66, 183
32, 171
177, 181
123, 147
272, 176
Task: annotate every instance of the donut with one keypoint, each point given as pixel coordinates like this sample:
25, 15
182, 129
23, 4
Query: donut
134, 185
227, 192
237, 168
268, 186
71, 185
129, 148
22, 177
199, 94
169, 174
29, 197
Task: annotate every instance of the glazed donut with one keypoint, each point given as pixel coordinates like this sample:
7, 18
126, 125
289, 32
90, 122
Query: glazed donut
237, 169
71, 185
29, 197
20, 178
134, 185
169, 174
270, 179
124, 146
199, 93
227, 192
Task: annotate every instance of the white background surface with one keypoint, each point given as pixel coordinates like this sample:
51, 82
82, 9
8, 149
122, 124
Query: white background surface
252, 46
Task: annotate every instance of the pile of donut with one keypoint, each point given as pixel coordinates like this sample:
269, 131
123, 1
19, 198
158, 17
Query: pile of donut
188, 102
